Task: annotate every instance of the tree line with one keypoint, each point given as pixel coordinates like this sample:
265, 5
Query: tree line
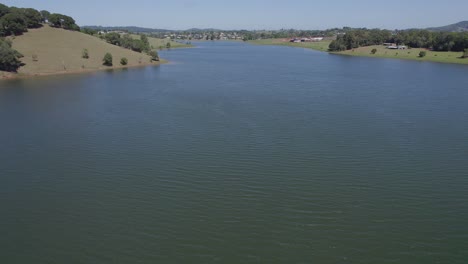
126, 41
16, 21
139, 45
416, 38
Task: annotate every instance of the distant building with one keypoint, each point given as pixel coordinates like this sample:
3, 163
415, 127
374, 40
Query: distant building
298, 40
399, 47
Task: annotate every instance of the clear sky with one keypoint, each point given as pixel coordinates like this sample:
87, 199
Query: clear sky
256, 14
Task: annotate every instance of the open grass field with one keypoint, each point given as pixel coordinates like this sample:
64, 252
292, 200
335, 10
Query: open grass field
409, 54
382, 51
158, 43
51, 51
321, 45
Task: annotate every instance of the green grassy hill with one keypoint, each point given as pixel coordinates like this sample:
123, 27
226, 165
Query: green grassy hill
50, 50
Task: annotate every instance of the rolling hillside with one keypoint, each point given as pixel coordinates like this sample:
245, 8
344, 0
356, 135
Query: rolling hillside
457, 27
50, 50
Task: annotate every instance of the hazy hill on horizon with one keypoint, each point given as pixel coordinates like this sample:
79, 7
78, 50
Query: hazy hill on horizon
457, 27
136, 29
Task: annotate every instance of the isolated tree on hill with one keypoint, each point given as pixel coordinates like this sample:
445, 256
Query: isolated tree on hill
168, 45
85, 54
422, 54
9, 58
107, 60
123, 61
45, 15
374, 51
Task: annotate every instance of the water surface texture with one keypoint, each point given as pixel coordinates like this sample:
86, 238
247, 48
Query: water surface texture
236, 153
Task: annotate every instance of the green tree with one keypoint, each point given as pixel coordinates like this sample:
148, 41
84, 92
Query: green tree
85, 54
113, 38
422, 54
374, 51
9, 58
154, 55
123, 61
45, 15
55, 20
2, 29
107, 60
336, 45
137, 45
145, 43
89, 31
13, 24
63, 21
4, 10
32, 17
168, 45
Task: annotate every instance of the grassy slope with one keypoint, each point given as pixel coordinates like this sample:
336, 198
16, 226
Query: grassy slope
60, 50
157, 43
410, 54
321, 45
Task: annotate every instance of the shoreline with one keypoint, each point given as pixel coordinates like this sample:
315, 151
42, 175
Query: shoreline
432, 56
16, 76
455, 62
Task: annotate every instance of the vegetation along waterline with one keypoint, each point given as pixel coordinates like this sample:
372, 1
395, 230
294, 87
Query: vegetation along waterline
421, 45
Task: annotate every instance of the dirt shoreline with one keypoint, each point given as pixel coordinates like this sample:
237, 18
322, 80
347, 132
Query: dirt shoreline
14, 76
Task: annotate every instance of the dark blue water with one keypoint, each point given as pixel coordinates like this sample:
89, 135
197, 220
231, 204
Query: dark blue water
236, 153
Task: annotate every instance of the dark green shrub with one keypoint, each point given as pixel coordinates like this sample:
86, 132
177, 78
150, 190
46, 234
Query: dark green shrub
9, 58
154, 55
85, 54
123, 61
107, 60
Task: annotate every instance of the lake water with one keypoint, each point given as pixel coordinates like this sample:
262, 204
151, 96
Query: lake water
235, 153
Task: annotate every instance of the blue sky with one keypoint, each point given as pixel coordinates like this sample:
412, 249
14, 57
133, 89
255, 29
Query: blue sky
256, 14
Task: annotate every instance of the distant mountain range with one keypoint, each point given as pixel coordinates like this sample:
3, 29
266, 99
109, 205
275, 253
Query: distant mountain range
149, 30
457, 27
128, 28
